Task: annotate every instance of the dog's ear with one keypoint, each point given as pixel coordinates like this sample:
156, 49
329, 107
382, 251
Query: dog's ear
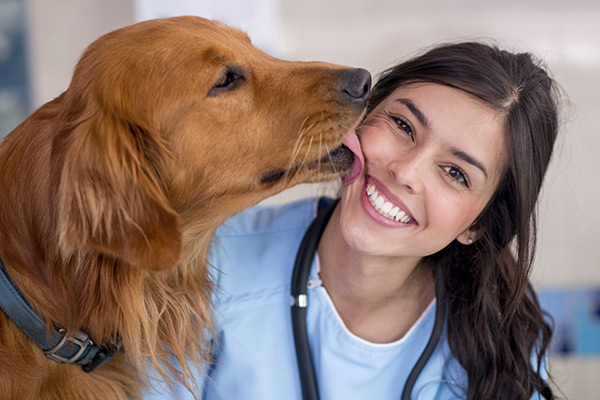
109, 196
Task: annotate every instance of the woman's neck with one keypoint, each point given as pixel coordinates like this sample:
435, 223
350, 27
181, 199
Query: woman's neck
378, 298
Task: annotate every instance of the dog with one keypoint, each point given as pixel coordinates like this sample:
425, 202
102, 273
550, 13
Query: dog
110, 195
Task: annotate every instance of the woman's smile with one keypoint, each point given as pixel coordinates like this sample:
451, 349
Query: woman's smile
385, 204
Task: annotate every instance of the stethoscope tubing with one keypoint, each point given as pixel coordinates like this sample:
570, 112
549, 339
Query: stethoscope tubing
434, 339
304, 258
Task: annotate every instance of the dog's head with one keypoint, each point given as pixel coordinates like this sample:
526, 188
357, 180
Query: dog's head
179, 123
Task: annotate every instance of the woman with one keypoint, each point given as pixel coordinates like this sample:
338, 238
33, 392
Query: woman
456, 143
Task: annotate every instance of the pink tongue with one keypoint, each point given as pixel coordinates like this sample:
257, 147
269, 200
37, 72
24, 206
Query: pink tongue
353, 144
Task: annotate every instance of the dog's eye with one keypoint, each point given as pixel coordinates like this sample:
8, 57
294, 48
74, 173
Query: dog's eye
228, 80
272, 176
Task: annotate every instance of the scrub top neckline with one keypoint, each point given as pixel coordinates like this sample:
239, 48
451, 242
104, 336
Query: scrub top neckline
316, 283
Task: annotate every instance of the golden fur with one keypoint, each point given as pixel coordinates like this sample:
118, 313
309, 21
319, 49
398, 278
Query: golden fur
111, 192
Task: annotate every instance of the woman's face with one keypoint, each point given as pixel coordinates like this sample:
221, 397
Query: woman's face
433, 159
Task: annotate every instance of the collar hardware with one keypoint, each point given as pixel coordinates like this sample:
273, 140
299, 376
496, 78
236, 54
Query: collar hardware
82, 343
56, 345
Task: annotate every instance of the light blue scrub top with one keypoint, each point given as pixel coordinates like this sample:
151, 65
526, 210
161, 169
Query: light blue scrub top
255, 358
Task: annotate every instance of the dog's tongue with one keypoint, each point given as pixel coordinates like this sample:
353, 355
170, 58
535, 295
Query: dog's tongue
353, 144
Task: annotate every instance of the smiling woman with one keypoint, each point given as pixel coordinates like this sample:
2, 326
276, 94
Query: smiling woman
462, 136
413, 291
428, 149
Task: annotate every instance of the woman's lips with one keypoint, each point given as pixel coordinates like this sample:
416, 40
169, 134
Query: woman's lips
351, 142
384, 205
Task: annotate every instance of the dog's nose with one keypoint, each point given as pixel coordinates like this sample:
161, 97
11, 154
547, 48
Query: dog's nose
357, 84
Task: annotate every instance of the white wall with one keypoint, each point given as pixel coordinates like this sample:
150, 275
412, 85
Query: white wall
59, 31
261, 19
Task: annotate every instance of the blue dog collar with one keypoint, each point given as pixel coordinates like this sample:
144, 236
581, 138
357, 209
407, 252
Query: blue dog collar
57, 346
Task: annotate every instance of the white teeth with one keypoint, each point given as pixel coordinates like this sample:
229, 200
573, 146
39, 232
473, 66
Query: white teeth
386, 208
400, 216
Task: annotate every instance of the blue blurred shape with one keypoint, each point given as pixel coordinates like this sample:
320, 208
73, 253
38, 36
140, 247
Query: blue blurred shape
576, 316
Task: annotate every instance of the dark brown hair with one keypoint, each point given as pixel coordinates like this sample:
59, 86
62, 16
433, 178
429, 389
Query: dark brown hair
495, 326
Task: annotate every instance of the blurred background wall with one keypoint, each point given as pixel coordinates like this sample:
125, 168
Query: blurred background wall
41, 40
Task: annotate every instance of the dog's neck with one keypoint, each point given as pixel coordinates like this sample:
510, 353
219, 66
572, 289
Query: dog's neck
94, 292
107, 299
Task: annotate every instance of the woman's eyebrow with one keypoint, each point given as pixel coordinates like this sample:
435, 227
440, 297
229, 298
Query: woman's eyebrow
415, 110
469, 159
423, 121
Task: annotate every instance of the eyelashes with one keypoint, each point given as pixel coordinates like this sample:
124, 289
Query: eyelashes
457, 175
403, 125
453, 172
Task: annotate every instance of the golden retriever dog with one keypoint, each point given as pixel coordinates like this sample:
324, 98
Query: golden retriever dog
110, 194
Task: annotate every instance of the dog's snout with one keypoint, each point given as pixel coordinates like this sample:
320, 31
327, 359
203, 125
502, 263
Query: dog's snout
357, 84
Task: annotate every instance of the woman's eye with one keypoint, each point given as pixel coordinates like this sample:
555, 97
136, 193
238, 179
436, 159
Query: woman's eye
457, 175
403, 125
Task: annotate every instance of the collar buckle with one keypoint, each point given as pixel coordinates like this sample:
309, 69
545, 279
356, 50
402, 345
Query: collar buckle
82, 341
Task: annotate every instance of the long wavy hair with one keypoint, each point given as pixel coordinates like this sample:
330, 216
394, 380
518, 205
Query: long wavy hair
495, 326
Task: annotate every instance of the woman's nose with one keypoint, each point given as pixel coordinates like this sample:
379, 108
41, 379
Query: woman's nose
409, 170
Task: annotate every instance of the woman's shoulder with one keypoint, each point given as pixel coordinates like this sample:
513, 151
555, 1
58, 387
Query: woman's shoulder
265, 219
254, 251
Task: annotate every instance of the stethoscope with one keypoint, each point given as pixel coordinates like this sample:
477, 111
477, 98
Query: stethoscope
306, 253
